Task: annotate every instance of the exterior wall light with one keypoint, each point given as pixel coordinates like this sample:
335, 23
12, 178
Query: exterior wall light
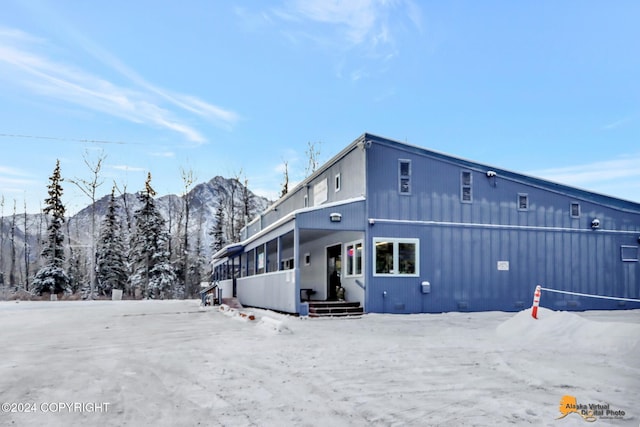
335, 217
595, 223
491, 176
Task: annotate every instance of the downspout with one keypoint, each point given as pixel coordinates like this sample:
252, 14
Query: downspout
302, 307
368, 274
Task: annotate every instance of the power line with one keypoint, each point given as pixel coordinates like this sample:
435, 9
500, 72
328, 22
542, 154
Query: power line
54, 138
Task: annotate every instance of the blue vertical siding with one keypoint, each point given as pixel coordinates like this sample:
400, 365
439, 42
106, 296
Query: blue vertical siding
461, 243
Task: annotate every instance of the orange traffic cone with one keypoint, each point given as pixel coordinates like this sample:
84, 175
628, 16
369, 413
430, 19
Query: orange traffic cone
536, 302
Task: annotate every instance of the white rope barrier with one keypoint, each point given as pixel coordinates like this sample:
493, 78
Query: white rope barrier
589, 295
538, 294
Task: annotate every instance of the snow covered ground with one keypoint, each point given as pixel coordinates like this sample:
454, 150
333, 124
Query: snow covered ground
170, 363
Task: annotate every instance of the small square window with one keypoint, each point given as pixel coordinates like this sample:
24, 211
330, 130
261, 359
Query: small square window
466, 178
466, 194
575, 210
307, 259
404, 185
405, 167
523, 202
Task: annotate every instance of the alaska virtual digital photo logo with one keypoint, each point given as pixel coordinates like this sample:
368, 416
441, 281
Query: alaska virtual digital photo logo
589, 412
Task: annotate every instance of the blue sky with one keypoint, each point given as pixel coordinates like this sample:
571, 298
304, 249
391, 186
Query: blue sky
548, 88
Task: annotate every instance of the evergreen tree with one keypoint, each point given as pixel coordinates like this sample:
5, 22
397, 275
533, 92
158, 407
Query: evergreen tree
152, 269
2, 240
12, 269
52, 277
111, 268
198, 261
218, 230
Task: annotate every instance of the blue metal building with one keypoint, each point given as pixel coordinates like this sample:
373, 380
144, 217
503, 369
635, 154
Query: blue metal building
409, 230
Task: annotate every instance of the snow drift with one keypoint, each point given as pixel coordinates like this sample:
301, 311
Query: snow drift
166, 363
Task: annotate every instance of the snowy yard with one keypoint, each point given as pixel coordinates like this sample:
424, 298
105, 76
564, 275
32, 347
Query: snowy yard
169, 363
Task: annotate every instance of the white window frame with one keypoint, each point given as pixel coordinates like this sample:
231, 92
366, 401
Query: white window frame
350, 261
571, 205
463, 185
337, 182
407, 177
525, 197
396, 256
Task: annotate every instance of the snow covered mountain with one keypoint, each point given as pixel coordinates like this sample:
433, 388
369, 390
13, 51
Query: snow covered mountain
203, 199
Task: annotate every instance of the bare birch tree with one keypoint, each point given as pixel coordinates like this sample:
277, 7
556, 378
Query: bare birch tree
26, 250
89, 188
313, 157
285, 179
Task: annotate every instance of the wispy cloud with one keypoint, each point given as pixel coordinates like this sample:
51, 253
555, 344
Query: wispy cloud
618, 123
127, 168
166, 154
14, 180
8, 170
140, 102
616, 176
365, 24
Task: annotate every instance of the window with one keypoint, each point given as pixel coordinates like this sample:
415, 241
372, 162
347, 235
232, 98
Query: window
466, 194
287, 264
354, 259
251, 262
629, 253
307, 259
399, 257
575, 210
260, 260
272, 256
320, 192
338, 183
523, 202
404, 176
306, 201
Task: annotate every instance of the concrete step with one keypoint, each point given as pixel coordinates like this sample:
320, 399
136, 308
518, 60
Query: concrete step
334, 309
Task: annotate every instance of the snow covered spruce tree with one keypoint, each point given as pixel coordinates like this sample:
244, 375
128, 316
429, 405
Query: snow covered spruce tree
52, 277
153, 273
111, 268
217, 232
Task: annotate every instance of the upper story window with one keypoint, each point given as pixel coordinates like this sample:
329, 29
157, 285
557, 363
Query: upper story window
466, 189
306, 201
398, 257
523, 202
404, 176
575, 210
338, 182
